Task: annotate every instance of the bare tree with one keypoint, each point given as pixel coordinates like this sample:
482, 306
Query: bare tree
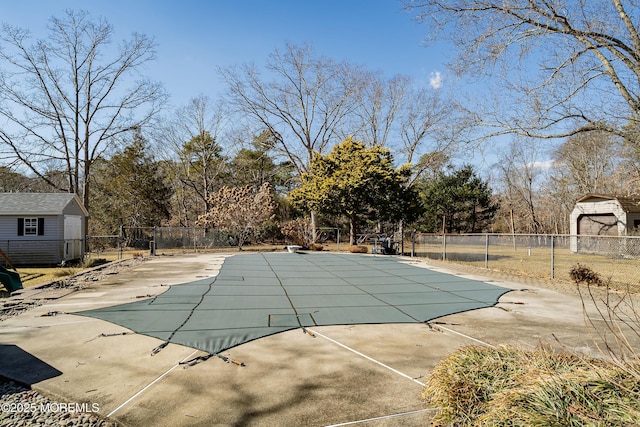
430, 129
587, 163
194, 135
67, 99
520, 174
562, 66
378, 105
303, 102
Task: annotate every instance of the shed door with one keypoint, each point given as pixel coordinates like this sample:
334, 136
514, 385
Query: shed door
72, 237
598, 225
72, 227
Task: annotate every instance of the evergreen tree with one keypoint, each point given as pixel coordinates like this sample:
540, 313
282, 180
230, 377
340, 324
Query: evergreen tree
460, 201
358, 182
254, 166
202, 167
130, 190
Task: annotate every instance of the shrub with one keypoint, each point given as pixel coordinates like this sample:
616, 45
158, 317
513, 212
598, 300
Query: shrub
583, 274
358, 249
64, 272
299, 231
89, 262
316, 247
507, 386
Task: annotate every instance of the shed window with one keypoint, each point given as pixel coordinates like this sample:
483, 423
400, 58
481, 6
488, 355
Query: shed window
30, 226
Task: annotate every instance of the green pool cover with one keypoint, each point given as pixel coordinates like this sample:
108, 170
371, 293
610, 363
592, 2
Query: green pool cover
257, 295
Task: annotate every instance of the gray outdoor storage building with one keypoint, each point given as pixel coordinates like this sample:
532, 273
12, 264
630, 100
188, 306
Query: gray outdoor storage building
42, 228
604, 215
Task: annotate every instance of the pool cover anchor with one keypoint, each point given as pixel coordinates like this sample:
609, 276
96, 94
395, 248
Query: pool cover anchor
159, 348
434, 328
53, 313
433, 325
115, 334
195, 360
230, 360
308, 332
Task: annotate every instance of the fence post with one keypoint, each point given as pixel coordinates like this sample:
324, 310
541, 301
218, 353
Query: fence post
153, 241
553, 265
120, 241
444, 247
486, 251
195, 241
413, 244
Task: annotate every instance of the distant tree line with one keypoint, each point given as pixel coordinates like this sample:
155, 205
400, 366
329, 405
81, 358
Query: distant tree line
335, 144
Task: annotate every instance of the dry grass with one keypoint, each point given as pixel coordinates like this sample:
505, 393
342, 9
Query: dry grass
620, 273
508, 386
35, 276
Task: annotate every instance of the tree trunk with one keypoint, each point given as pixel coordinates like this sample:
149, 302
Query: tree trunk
314, 226
352, 230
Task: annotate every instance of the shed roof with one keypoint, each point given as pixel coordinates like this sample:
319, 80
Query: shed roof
629, 204
36, 203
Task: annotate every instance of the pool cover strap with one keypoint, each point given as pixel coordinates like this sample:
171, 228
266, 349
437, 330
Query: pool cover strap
256, 295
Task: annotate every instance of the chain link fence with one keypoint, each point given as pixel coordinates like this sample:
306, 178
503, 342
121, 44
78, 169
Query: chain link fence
614, 258
193, 239
545, 256
153, 239
40, 251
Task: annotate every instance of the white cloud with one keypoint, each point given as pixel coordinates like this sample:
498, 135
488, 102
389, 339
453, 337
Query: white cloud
435, 80
544, 165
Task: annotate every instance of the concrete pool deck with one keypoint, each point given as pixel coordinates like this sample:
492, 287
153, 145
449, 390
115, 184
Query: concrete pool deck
343, 375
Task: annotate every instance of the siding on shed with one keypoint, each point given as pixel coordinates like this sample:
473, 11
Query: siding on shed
44, 249
31, 249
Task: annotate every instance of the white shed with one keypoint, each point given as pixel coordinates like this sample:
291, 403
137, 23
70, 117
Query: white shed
604, 215
42, 228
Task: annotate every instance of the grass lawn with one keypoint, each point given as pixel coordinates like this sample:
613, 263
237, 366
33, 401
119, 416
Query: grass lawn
620, 272
34, 276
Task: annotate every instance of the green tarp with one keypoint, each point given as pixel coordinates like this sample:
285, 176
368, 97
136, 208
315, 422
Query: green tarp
256, 295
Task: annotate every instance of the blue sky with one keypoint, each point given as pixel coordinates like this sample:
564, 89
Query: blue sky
195, 37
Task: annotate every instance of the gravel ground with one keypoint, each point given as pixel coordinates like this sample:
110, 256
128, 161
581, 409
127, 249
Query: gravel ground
20, 406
